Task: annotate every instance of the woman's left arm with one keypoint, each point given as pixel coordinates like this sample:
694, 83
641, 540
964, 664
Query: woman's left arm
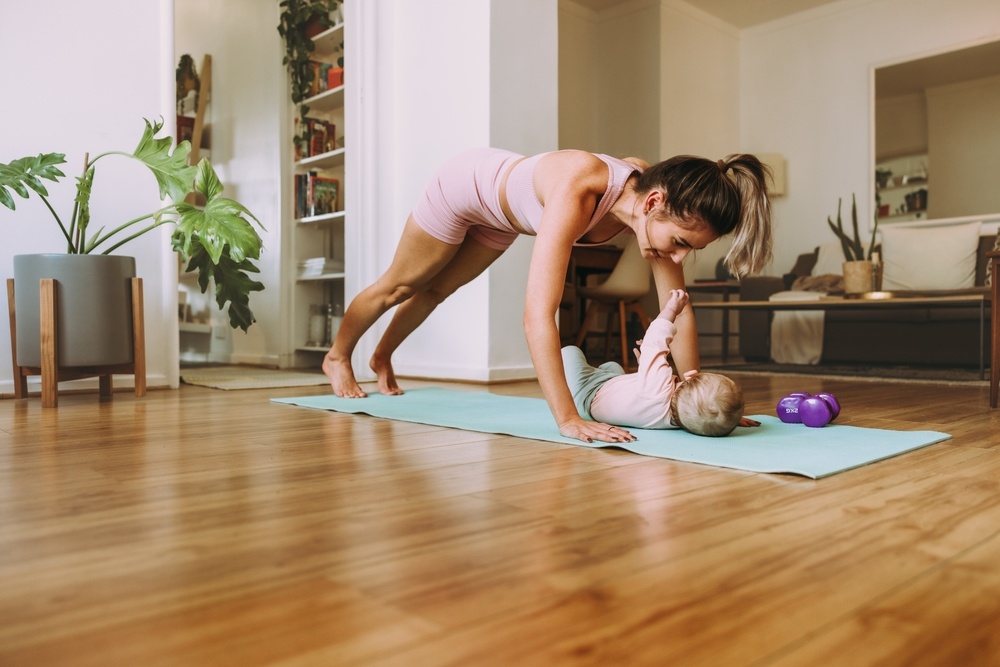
684, 348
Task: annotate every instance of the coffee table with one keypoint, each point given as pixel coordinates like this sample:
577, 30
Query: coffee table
841, 303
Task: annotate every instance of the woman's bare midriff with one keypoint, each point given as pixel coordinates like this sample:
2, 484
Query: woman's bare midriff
504, 205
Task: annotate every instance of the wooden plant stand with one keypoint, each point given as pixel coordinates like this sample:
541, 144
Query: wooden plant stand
50, 371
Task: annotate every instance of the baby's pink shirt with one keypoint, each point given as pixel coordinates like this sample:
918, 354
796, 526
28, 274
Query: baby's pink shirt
641, 399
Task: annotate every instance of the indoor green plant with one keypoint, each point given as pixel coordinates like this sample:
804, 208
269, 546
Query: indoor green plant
859, 275
216, 239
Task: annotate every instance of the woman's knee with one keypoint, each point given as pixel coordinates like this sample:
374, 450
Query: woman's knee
397, 294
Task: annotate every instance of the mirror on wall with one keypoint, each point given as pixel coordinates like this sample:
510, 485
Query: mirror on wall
937, 135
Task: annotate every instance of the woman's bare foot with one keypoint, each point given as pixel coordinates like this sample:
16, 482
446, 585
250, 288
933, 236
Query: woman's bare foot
386, 377
342, 378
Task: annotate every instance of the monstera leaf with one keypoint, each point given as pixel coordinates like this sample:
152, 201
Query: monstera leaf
172, 172
218, 239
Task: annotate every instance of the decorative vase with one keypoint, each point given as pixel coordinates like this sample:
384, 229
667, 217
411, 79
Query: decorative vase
857, 277
93, 308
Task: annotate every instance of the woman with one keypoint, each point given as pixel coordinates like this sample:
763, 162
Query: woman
479, 202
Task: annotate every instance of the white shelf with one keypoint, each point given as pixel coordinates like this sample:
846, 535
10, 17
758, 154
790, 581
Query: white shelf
327, 160
326, 218
326, 101
322, 277
327, 41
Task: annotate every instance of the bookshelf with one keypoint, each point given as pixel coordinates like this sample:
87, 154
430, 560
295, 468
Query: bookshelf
318, 217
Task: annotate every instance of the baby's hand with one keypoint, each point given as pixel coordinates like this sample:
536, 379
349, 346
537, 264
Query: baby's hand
675, 304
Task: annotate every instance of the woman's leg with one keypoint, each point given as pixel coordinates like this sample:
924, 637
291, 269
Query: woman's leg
419, 258
471, 260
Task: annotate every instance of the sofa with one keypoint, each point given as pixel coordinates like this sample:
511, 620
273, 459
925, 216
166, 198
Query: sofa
917, 336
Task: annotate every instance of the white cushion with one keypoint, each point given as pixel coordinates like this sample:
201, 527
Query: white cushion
930, 258
829, 260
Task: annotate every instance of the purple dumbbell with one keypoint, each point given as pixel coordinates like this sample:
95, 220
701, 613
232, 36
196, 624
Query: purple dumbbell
832, 400
788, 407
815, 412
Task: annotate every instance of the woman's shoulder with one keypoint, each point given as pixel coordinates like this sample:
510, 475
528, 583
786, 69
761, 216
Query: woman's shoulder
637, 162
581, 168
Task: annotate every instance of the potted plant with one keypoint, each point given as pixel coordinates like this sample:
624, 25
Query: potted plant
858, 269
216, 239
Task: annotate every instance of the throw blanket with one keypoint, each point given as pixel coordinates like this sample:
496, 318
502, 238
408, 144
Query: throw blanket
797, 335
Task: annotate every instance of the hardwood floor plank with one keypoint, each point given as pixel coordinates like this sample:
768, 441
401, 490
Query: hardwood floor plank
960, 599
203, 527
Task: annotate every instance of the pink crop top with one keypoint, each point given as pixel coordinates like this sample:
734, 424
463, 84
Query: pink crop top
528, 210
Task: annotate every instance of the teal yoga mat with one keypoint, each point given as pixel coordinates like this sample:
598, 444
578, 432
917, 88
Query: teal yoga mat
773, 447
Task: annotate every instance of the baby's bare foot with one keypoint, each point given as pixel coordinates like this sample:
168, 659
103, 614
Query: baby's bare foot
386, 377
342, 378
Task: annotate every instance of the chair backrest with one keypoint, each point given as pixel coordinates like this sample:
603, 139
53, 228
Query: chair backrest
630, 279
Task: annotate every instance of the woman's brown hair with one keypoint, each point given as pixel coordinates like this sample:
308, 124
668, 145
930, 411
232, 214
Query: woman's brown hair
729, 195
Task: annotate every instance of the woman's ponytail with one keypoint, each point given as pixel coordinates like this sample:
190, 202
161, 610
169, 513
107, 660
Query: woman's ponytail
751, 248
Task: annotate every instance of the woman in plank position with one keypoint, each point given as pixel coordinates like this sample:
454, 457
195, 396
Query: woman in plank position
480, 200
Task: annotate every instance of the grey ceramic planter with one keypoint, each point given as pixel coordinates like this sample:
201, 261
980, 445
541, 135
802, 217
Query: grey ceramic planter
93, 308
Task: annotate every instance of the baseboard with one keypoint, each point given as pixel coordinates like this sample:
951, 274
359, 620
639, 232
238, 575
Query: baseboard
270, 360
463, 374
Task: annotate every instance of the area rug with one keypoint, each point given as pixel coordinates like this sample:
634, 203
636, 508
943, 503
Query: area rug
872, 373
250, 377
773, 447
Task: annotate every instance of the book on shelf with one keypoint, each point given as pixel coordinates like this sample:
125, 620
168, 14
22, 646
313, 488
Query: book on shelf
314, 267
316, 195
318, 136
325, 76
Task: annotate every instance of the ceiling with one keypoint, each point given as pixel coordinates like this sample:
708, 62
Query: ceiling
739, 13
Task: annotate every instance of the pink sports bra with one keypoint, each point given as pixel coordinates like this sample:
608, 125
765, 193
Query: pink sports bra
527, 209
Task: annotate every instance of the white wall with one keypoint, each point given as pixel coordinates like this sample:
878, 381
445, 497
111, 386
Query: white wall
699, 96
608, 74
805, 93
963, 138
524, 117
625, 89
431, 93
579, 62
80, 77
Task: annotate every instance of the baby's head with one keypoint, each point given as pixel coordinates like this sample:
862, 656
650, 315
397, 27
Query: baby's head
707, 404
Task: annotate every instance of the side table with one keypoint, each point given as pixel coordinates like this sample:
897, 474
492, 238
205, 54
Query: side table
724, 288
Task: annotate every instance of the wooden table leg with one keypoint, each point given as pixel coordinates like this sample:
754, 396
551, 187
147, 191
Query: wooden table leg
49, 343
725, 326
138, 338
20, 380
994, 257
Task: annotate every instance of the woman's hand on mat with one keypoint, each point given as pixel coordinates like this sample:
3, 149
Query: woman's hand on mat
589, 431
746, 421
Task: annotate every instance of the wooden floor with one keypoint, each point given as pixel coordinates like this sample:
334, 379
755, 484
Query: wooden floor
203, 527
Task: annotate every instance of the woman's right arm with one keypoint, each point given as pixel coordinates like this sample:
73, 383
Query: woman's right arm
684, 349
567, 188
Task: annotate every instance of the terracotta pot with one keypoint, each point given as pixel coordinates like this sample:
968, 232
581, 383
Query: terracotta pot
93, 308
857, 277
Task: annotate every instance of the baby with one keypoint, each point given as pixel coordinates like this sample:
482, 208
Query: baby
701, 403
